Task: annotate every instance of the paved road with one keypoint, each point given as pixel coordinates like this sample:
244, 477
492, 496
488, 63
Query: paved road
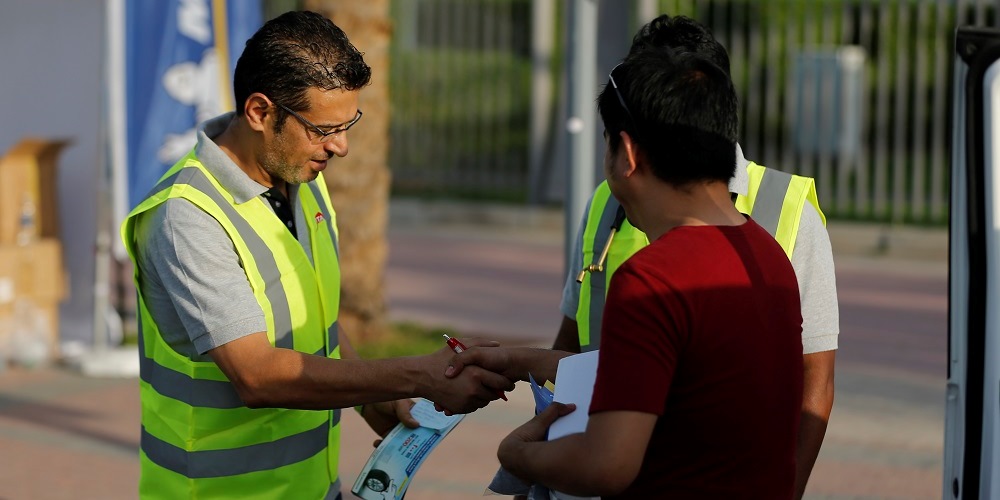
886, 432
885, 437
63, 436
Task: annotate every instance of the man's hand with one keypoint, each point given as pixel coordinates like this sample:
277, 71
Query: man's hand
515, 363
533, 430
495, 359
464, 393
383, 417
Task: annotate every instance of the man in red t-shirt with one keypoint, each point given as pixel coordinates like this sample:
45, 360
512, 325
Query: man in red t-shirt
699, 379
701, 356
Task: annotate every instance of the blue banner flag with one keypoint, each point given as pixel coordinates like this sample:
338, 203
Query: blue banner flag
179, 60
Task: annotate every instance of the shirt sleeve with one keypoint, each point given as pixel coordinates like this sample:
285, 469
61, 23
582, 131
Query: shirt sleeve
640, 334
193, 280
814, 270
571, 290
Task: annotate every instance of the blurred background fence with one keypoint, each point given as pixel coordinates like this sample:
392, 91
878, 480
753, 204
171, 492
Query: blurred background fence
854, 93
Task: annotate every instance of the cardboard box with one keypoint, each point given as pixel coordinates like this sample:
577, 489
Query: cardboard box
35, 270
28, 175
32, 274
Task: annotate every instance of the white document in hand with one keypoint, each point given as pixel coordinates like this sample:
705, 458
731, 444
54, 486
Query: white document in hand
574, 384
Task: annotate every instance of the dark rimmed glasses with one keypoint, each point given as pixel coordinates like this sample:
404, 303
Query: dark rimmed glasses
621, 100
321, 136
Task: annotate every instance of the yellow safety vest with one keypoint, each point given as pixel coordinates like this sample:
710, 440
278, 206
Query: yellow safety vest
774, 200
199, 440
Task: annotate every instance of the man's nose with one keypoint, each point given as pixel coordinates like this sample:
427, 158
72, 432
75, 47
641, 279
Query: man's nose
337, 144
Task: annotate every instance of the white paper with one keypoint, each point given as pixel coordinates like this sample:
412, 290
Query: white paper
574, 384
575, 379
428, 417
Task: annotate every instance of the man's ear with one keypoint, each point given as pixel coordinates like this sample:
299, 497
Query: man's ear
257, 108
632, 153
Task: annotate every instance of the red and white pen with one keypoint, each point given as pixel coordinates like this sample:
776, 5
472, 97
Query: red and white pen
457, 346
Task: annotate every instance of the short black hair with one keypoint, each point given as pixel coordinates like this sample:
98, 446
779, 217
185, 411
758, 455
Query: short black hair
680, 108
294, 52
682, 34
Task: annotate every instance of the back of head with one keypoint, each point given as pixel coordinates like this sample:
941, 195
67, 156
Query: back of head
296, 51
682, 34
680, 108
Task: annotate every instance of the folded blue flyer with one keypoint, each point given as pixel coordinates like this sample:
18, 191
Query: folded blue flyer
543, 396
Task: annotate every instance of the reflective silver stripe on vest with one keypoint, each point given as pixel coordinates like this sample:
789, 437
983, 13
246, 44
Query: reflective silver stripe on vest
770, 198
218, 463
334, 492
333, 340
597, 293
213, 393
195, 392
326, 211
262, 255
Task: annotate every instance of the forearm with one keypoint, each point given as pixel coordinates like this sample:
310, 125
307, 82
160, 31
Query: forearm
817, 404
618, 438
812, 430
265, 376
305, 381
556, 465
542, 364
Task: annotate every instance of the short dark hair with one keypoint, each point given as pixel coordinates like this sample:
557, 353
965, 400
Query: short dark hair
292, 53
682, 34
680, 108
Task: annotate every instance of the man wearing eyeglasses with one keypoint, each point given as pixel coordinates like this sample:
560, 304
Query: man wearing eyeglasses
243, 367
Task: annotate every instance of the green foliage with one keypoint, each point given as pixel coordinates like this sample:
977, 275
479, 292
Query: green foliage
459, 118
438, 86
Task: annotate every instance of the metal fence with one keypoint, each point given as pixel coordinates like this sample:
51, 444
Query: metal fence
854, 93
460, 84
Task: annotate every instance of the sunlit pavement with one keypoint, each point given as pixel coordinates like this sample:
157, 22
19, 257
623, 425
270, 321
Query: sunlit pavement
64, 436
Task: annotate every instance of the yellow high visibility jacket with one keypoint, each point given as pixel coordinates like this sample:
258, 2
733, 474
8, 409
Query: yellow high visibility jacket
198, 438
774, 200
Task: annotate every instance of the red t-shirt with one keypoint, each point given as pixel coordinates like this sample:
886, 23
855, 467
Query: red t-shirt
703, 328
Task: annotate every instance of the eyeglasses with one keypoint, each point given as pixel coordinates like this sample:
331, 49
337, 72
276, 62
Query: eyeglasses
621, 100
321, 136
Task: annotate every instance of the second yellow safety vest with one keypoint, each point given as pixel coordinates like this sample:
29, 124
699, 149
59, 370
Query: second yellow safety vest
774, 200
198, 439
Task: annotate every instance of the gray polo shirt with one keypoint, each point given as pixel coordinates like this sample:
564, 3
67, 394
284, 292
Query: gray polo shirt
191, 277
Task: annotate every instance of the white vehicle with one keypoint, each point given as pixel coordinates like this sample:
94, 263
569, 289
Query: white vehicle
972, 417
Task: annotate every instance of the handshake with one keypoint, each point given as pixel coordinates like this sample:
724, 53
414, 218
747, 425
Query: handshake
471, 376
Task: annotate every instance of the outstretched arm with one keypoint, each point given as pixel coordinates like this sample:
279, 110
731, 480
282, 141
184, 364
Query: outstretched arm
381, 416
266, 376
